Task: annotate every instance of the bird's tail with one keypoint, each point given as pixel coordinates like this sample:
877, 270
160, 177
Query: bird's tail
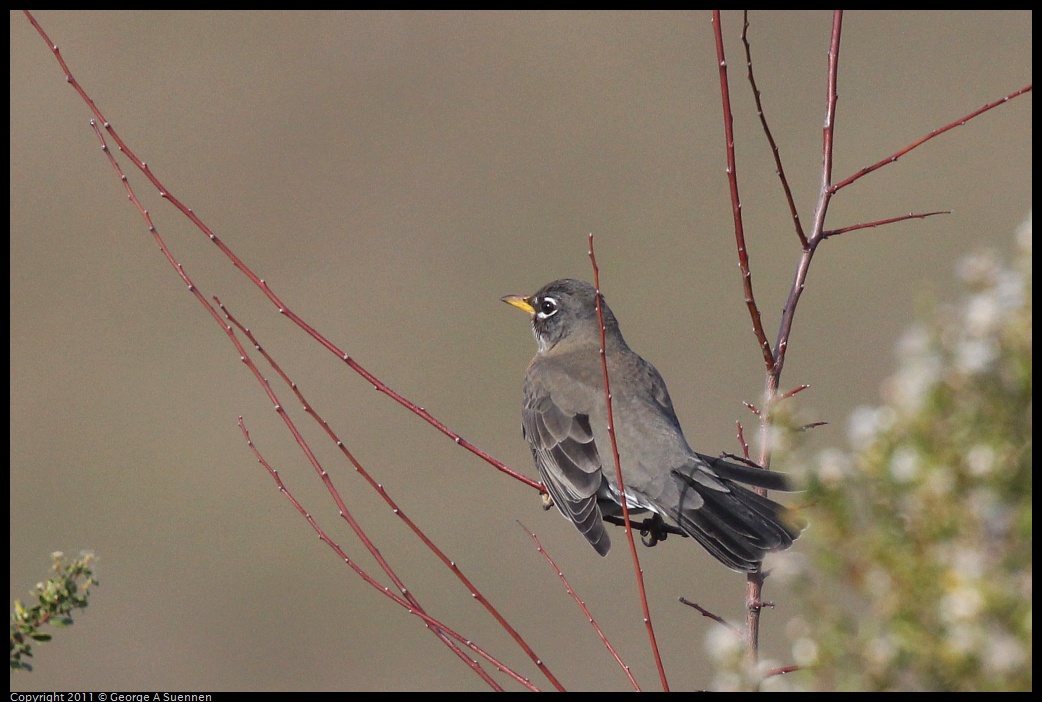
736, 525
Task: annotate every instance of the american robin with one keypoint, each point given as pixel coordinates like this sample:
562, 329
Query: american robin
565, 422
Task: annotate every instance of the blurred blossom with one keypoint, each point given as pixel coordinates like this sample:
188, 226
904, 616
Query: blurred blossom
1009, 292
913, 343
772, 683
722, 644
804, 651
910, 387
978, 268
968, 563
881, 650
983, 312
976, 355
833, 465
963, 602
878, 580
1024, 236
778, 438
785, 566
980, 460
961, 639
904, 464
919, 572
866, 423
1004, 653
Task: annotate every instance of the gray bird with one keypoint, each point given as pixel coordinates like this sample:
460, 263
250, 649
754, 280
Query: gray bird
565, 423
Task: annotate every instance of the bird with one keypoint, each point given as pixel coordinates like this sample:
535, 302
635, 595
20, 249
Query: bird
565, 422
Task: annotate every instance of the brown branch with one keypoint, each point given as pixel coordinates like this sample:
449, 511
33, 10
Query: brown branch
745, 460
781, 671
796, 390
741, 440
411, 604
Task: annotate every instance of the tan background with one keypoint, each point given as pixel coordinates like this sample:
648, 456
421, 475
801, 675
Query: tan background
392, 175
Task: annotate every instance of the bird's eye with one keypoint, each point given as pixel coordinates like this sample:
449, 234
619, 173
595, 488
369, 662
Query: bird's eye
547, 307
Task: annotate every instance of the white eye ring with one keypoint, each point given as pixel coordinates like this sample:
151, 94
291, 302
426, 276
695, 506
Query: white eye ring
547, 308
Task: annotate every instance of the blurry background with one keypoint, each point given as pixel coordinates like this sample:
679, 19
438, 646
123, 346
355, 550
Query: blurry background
391, 175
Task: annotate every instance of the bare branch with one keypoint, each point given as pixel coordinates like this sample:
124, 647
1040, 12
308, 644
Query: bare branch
282, 308
435, 625
736, 202
618, 474
583, 607
302, 443
935, 133
715, 617
779, 168
880, 222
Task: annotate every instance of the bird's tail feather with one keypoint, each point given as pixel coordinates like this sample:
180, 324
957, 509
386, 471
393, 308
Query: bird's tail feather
750, 475
737, 526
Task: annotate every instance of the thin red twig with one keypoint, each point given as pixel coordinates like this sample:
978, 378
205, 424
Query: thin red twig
781, 671
715, 617
880, 222
263, 286
794, 391
779, 168
741, 440
302, 443
582, 605
411, 604
808, 240
385, 496
736, 201
935, 133
407, 604
618, 474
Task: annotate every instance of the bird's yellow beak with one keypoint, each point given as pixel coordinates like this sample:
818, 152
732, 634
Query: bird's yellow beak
521, 302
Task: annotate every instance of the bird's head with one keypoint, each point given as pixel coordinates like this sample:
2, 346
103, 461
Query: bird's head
566, 311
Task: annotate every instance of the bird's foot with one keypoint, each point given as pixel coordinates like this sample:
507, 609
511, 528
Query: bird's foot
652, 530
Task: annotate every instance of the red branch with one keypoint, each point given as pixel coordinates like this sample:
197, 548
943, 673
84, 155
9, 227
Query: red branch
880, 222
582, 605
935, 133
384, 495
736, 201
406, 601
377, 384
779, 168
618, 474
409, 601
808, 240
715, 617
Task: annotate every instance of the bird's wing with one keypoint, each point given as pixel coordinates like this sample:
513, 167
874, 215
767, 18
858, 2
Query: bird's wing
566, 456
